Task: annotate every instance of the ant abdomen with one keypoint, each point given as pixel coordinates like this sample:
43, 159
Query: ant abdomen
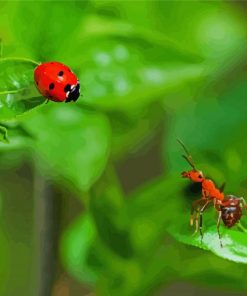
231, 210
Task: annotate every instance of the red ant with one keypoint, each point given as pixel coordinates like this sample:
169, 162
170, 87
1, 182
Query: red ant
229, 207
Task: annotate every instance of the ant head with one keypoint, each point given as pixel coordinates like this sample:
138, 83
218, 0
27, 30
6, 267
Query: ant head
193, 175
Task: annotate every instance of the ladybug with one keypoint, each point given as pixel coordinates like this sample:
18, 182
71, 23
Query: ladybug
57, 82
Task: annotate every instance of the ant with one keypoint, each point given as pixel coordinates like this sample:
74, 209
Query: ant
229, 207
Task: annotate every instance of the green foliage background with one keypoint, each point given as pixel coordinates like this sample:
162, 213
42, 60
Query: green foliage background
151, 71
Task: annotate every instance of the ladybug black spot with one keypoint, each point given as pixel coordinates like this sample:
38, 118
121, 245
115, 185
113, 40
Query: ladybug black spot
67, 87
37, 82
51, 86
60, 73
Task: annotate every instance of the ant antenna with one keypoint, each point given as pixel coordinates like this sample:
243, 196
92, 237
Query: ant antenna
222, 187
187, 157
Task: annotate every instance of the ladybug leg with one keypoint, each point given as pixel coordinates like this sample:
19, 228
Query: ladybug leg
68, 100
47, 101
201, 213
218, 227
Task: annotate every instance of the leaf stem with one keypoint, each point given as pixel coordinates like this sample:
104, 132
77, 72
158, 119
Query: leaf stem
14, 91
19, 59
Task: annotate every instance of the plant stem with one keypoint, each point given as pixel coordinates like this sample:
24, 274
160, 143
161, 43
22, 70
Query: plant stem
1, 48
45, 238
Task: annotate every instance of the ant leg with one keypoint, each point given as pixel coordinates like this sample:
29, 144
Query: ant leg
214, 201
196, 202
241, 227
201, 212
196, 219
243, 202
217, 204
218, 227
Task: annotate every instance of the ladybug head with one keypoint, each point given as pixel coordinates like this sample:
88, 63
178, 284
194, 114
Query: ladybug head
193, 175
73, 92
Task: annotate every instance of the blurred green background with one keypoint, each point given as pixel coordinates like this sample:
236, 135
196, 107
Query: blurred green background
91, 199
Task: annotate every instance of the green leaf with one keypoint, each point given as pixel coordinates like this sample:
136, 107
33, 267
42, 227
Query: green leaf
234, 242
121, 67
75, 249
203, 34
72, 144
16, 74
18, 94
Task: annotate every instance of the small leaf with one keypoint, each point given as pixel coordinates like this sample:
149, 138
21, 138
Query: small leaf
3, 134
19, 139
17, 91
13, 105
75, 249
16, 74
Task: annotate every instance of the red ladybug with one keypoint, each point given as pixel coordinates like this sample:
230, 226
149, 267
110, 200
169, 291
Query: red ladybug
57, 82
